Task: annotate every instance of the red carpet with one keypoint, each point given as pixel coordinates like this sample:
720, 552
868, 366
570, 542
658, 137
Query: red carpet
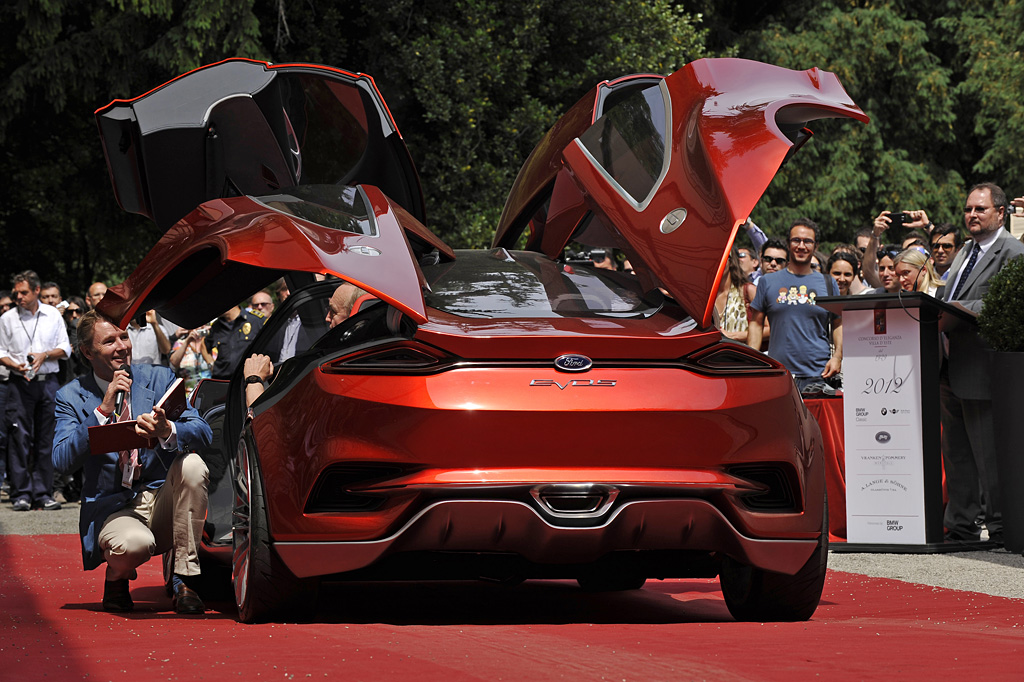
51, 628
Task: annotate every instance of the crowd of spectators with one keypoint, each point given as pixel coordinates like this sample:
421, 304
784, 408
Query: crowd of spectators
933, 259
39, 354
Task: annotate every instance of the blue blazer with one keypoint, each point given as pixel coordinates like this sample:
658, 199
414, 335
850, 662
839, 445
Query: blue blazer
102, 493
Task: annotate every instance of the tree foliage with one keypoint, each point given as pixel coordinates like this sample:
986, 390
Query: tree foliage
474, 84
941, 82
62, 60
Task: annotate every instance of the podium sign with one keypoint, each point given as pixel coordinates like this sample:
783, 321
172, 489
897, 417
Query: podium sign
882, 413
891, 364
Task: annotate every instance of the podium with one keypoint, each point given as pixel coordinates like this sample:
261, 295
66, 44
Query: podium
892, 354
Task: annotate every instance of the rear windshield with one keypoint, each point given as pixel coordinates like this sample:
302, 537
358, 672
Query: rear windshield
500, 283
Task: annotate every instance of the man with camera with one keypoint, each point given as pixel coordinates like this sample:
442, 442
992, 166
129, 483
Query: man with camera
886, 219
140, 502
32, 339
968, 443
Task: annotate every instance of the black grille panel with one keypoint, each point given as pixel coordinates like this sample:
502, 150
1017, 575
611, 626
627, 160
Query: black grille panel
780, 496
332, 491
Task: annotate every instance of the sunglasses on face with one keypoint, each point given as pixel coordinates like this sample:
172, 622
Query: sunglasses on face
939, 245
74, 311
776, 259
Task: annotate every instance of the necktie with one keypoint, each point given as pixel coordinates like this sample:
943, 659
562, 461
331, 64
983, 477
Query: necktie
129, 459
966, 271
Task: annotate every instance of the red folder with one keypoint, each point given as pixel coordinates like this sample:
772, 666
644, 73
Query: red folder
122, 436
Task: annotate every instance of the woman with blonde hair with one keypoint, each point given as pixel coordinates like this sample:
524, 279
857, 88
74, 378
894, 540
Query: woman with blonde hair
915, 272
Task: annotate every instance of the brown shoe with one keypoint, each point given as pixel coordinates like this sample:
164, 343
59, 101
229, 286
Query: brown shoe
116, 597
187, 601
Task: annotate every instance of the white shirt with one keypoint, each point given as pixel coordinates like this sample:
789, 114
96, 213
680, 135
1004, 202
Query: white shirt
145, 348
23, 333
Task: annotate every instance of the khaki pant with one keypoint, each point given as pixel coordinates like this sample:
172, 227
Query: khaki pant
170, 518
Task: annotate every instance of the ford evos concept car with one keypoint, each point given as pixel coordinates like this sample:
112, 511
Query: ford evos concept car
508, 413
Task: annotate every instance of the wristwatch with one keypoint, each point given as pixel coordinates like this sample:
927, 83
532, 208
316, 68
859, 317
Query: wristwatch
254, 379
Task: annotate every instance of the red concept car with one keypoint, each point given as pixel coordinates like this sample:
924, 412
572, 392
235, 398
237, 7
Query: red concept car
508, 413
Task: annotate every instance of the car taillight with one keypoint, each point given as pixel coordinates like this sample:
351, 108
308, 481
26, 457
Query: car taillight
399, 357
733, 359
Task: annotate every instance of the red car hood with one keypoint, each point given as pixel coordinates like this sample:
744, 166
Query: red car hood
668, 168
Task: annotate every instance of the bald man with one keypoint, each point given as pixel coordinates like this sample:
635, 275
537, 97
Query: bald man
340, 307
96, 292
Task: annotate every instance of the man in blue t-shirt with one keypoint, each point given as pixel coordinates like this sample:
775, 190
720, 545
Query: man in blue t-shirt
800, 328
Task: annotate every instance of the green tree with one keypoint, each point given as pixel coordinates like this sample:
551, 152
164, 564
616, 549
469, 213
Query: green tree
474, 84
61, 60
904, 159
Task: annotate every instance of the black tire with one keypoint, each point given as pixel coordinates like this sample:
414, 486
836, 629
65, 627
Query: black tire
756, 595
264, 587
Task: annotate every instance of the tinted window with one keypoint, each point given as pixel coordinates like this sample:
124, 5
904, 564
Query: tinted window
332, 206
500, 283
303, 325
628, 142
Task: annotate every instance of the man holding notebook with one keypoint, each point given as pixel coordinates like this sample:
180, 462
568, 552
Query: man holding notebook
150, 496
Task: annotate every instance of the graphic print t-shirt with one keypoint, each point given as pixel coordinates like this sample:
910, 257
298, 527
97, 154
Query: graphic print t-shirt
799, 327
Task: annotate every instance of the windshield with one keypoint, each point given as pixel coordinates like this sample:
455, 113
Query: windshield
504, 284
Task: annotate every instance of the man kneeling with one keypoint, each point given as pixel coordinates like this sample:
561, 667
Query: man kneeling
134, 503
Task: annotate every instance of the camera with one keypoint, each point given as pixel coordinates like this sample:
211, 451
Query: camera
899, 218
202, 332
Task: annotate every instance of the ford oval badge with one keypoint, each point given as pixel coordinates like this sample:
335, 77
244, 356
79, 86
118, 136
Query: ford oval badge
572, 362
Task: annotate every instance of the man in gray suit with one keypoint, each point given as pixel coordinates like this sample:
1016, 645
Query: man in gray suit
968, 447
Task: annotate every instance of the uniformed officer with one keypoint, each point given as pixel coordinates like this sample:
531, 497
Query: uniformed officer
229, 336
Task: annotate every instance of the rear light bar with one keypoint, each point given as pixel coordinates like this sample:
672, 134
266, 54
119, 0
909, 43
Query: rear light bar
405, 356
732, 359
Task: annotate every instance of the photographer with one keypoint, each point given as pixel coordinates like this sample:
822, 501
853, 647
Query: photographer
885, 220
190, 358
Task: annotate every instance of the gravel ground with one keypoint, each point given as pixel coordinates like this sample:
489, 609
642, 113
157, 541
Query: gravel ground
997, 572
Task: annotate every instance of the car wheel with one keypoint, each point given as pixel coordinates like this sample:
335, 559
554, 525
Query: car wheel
263, 585
753, 594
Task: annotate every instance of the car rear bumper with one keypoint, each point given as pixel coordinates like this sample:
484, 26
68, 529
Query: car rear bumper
516, 528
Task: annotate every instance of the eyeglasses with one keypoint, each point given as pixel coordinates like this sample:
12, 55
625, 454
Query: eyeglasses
777, 260
742, 254
980, 210
74, 311
941, 245
800, 240
815, 266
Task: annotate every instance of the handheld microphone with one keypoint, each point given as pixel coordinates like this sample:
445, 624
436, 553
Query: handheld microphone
119, 394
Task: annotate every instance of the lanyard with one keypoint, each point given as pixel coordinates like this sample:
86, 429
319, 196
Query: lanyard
32, 336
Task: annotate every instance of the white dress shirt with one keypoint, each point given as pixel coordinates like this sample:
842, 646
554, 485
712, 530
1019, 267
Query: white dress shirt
23, 333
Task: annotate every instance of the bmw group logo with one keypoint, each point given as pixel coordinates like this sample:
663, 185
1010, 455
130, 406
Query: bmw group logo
573, 362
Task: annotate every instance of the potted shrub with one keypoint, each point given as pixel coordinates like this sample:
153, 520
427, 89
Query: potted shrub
1001, 323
